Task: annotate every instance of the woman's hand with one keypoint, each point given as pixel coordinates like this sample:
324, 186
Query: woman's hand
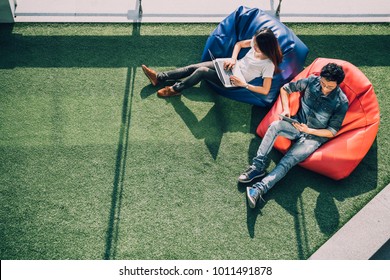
237, 82
229, 63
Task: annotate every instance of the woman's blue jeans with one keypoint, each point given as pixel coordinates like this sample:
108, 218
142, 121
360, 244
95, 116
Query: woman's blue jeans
191, 75
299, 151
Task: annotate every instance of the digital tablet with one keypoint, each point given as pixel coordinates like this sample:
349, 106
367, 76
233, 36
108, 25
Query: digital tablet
287, 119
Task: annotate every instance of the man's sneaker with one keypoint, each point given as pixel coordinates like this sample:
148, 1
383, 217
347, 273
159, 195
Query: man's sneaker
249, 175
253, 194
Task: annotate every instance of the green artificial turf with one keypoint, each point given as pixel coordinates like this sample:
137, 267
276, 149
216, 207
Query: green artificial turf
95, 166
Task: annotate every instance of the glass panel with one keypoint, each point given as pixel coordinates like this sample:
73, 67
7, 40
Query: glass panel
64, 7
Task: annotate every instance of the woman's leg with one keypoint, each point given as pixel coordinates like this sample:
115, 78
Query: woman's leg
201, 73
182, 72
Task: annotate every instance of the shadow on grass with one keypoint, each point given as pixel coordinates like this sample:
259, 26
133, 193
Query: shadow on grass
6, 30
211, 128
120, 163
218, 120
120, 169
132, 50
96, 51
330, 46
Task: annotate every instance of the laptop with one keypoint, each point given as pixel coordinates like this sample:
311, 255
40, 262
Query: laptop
223, 74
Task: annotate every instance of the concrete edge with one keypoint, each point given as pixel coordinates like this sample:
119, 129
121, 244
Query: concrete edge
363, 235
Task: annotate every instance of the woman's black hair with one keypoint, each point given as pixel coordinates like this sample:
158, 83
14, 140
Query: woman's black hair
268, 44
333, 73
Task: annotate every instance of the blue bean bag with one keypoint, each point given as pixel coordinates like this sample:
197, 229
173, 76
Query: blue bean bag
241, 25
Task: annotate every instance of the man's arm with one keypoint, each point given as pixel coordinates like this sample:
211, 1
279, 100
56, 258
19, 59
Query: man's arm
285, 106
317, 132
289, 88
334, 125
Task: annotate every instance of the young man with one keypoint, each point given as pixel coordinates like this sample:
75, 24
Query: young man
319, 118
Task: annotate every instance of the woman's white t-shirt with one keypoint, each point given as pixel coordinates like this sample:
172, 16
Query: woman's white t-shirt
252, 67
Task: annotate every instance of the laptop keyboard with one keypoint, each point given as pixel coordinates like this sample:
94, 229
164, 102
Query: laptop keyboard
228, 73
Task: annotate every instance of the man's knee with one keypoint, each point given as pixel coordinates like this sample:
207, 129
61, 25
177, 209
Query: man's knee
301, 151
275, 125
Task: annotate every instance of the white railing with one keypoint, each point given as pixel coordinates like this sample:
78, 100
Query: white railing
199, 10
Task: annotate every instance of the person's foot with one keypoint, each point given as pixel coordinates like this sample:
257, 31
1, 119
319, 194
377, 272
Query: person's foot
253, 194
250, 174
167, 92
151, 74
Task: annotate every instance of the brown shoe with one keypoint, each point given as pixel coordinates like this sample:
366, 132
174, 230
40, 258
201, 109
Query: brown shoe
151, 74
167, 92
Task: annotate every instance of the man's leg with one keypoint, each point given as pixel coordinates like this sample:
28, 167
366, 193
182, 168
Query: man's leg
277, 128
297, 153
257, 169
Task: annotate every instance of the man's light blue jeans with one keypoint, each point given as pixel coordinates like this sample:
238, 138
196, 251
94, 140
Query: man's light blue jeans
299, 151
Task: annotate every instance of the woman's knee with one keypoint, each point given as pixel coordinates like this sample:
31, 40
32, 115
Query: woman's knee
197, 66
201, 72
203, 69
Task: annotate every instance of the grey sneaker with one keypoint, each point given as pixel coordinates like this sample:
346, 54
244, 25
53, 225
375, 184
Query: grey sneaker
250, 174
253, 194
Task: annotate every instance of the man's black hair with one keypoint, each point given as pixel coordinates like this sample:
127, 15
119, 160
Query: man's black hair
333, 73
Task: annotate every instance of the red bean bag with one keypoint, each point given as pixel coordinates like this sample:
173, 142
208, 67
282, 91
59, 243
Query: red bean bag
338, 157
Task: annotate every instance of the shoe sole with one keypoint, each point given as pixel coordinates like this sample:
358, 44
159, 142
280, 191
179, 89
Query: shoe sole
250, 180
150, 79
251, 202
166, 96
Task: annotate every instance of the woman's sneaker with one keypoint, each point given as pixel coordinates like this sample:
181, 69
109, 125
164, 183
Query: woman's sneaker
250, 174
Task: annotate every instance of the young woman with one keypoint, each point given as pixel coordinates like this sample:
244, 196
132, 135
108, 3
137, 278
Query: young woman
262, 60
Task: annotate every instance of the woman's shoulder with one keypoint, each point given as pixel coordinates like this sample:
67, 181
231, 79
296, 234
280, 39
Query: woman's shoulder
268, 62
265, 61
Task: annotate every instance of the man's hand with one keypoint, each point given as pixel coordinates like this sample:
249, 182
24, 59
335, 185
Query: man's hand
302, 127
